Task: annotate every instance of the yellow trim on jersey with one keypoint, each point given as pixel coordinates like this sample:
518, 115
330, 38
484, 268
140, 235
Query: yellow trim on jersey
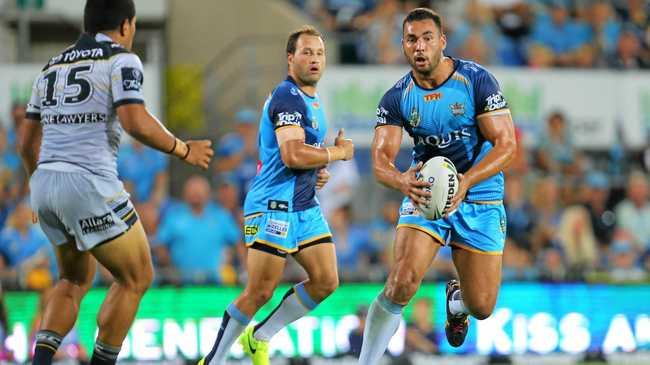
126, 217
474, 250
459, 77
312, 239
496, 112
271, 244
484, 202
288, 126
253, 215
433, 235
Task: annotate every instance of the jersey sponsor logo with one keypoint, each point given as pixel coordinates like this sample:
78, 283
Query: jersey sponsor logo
277, 228
77, 54
414, 118
79, 118
251, 230
495, 102
315, 105
96, 224
444, 140
432, 96
280, 205
457, 109
408, 209
132, 79
382, 113
286, 118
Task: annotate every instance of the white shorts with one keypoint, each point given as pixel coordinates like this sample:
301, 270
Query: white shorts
88, 208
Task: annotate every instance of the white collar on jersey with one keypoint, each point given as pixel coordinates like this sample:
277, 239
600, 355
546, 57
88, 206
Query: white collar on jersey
101, 37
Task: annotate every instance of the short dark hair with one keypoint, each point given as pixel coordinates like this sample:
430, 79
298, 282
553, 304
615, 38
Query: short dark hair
422, 14
102, 15
293, 37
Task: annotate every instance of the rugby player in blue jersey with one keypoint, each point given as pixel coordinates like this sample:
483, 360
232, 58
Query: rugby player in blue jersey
452, 108
282, 214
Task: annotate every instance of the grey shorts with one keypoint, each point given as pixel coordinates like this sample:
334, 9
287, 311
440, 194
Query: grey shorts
89, 208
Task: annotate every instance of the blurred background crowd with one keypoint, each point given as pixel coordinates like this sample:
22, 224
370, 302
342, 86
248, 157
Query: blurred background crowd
535, 33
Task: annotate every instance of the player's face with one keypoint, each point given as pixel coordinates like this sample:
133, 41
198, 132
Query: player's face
308, 62
423, 44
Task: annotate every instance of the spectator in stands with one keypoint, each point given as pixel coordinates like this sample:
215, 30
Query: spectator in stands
23, 250
382, 41
9, 160
547, 214
421, 335
595, 195
633, 213
228, 197
236, 152
341, 186
628, 52
195, 240
144, 173
515, 21
355, 338
474, 38
556, 152
578, 242
623, 262
354, 249
518, 263
604, 29
558, 35
520, 212
551, 265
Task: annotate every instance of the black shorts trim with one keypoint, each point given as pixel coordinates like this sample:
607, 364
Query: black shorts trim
318, 241
268, 249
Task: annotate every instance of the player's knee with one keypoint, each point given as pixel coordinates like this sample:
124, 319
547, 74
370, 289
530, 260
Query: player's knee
402, 286
138, 282
481, 307
325, 285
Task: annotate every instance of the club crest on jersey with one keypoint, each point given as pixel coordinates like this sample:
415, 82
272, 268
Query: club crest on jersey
414, 118
457, 109
432, 96
316, 105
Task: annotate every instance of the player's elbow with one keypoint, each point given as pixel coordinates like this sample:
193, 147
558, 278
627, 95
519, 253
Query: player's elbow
509, 148
290, 155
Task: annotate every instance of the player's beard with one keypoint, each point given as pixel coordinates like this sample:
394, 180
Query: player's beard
308, 79
426, 71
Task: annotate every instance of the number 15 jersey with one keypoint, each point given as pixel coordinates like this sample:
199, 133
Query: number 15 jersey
75, 98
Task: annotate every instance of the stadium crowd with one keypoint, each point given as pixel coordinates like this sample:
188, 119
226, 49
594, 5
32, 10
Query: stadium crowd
572, 215
535, 33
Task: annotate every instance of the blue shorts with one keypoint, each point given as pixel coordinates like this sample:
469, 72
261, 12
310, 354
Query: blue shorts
286, 232
477, 227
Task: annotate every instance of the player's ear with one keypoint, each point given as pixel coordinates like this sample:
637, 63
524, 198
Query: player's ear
443, 41
123, 27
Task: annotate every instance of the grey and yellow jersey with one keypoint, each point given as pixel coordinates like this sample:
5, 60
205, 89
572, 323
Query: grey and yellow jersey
75, 98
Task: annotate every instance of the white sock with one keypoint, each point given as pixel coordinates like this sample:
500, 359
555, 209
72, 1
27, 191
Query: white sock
233, 324
456, 304
382, 322
295, 304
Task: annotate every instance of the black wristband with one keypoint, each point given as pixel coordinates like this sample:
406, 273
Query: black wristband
174, 147
186, 153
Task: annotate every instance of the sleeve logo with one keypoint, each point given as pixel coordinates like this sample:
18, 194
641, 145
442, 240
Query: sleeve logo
495, 102
382, 113
132, 79
286, 118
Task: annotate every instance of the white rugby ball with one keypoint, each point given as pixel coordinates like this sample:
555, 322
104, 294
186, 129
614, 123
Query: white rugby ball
441, 173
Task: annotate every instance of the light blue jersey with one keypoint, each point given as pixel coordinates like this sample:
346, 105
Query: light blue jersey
443, 122
281, 210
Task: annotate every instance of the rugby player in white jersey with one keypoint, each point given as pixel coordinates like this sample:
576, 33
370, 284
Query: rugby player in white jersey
80, 103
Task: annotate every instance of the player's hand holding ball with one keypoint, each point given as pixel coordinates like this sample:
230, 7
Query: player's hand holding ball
199, 153
444, 188
346, 144
417, 190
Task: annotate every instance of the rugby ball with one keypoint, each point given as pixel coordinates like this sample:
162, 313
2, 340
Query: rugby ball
441, 173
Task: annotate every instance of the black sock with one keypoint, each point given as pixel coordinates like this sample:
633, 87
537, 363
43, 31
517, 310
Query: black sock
47, 342
104, 354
